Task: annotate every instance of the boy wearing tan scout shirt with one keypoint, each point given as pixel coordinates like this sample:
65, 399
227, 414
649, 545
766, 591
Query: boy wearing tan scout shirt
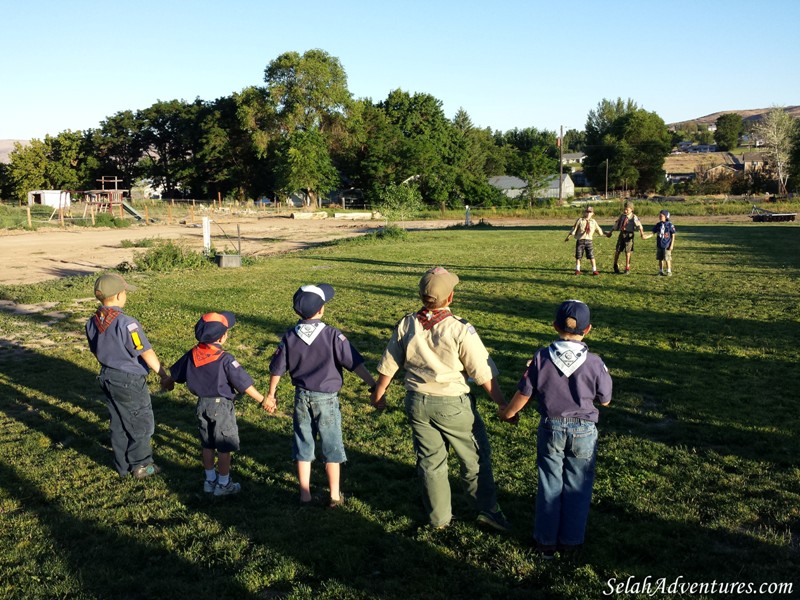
438, 352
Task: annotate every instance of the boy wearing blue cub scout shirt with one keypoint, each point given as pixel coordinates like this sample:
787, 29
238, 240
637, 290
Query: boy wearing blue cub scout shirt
214, 376
314, 354
665, 242
567, 380
126, 357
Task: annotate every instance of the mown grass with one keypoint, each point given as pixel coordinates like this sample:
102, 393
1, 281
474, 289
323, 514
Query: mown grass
697, 468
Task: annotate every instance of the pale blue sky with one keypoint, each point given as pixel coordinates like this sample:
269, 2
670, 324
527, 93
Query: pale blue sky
69, 64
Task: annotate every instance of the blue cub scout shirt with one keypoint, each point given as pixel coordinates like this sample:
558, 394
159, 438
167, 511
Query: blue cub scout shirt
121, 344
218, 375
664, 232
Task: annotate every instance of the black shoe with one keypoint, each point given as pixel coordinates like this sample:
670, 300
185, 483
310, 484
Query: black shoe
616, 269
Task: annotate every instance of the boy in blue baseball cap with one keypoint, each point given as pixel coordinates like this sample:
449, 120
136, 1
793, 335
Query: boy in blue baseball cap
567, 380
215, 377
314, 354
664, 231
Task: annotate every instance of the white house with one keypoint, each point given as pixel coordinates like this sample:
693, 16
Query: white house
550, 189
52, 198
511, 186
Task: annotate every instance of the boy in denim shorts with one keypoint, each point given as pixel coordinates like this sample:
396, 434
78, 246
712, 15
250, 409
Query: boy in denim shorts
627, 224
567, 380
583, 230
126, 357
215, 377
314, 354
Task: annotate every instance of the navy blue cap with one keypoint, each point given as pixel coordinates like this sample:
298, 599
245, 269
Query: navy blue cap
576, 310
665, 212
213, 326
309, 299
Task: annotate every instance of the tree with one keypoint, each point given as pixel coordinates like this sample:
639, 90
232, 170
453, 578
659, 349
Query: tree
729, 128
308, 91
400, 202
307, 166
776, 129
118, 146
794, 158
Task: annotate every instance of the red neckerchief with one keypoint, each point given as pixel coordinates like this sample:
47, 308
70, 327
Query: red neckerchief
588, 228
428, 317
203, 354
105, 316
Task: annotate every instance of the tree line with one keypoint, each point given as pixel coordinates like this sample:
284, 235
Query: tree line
302, 131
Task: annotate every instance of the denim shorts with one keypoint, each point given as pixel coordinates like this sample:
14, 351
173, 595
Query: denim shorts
317, 414
216, 424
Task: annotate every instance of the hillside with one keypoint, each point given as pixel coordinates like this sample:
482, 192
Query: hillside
6, 146
748, 115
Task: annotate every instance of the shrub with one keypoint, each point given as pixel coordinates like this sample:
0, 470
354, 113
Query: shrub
170, 256
143, 243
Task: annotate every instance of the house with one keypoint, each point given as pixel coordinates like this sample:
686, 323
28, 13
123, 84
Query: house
510, 186
51, 198
573, 158
550, 189
754, 161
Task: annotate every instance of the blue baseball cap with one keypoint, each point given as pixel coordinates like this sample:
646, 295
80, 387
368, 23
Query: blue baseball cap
212, 326
573, 309
309, 299
665, 212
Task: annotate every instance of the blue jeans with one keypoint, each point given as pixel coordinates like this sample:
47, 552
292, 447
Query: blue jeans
131, 418
566, 453
216, 424
317, 414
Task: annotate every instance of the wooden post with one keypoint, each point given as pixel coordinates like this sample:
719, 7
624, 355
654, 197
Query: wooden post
28, 210
191, 212
146, 215
219, 197
91, 212
169, 212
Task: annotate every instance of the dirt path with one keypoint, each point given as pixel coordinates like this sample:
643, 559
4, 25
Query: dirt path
33, 256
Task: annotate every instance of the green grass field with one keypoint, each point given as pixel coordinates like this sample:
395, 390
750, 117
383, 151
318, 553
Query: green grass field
697, 473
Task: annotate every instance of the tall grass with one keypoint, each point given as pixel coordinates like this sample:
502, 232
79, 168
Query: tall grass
697, 474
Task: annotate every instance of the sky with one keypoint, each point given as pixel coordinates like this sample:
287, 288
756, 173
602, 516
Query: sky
68, 65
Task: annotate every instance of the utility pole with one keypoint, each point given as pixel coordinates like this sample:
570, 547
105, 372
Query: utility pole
560, 165
606, 196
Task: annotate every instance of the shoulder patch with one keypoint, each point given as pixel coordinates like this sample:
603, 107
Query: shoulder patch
133, 326
471, 330
235, 364
341, 337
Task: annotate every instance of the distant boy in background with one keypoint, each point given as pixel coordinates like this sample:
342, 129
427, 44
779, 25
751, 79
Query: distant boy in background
627, 224
215, 377
126, 357
583, 230
567, 380
665, 242
314, 354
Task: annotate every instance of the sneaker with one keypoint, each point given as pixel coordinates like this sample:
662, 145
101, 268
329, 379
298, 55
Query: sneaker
337, 503
226, 490
661, 273
143, 471
627, 270
595, 273
578, 273
669, 273
495, 519
208, 486
616, 269
546, 552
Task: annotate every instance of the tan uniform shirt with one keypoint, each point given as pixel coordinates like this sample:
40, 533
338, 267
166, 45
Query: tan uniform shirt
584, 229
437, 360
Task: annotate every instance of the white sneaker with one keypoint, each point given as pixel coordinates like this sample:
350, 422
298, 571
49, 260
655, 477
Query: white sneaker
208, 486
227, 490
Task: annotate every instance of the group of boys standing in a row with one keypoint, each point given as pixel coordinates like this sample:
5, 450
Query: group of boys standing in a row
439, 353
627, 224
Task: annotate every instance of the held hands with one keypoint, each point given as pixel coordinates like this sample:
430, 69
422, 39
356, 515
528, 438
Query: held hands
502, 414
167, 383
378, 403
269, 403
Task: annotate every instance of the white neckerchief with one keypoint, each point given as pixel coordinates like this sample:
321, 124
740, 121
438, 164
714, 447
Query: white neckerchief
308, 332
567, 356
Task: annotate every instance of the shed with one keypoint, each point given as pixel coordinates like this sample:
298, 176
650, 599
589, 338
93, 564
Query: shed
511, 186
51, 198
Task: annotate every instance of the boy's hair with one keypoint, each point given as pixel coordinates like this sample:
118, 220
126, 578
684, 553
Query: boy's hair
629, 205
573, 317
565, 335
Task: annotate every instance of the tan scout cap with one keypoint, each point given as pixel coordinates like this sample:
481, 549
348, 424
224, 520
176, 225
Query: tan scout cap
437, 284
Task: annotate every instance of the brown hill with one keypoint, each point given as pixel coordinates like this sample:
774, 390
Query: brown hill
6, 146
755, 114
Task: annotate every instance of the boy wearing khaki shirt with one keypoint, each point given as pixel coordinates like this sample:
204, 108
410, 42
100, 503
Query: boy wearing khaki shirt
439, 351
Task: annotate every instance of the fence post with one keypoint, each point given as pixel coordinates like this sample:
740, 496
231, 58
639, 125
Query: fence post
30, 223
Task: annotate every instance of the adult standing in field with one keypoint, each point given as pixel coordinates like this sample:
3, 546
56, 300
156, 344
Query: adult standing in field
627, 224
439, 351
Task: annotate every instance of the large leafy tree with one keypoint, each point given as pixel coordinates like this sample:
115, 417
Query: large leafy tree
635, 143
729, 128
307, 166
118, 146
776, 129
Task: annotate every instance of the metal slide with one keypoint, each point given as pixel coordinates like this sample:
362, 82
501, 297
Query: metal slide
132, 211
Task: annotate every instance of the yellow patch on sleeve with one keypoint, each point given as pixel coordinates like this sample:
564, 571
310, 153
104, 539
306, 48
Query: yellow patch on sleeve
137, 341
